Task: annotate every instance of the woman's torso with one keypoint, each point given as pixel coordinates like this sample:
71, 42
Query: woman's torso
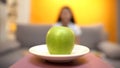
75, 28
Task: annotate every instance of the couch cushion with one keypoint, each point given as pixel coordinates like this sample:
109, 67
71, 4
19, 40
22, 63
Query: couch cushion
91, 35
30, 35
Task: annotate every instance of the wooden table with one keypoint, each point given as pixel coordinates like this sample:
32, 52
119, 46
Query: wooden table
87, 61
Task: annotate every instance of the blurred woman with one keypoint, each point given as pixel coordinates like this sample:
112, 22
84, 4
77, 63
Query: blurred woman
66, 19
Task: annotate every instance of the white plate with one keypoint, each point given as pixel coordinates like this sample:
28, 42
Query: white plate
42, 52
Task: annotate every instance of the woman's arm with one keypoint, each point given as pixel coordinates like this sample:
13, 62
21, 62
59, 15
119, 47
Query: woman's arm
77, 39
78, 32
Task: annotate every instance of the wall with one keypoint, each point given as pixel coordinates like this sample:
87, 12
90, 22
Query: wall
86, 12
118, 23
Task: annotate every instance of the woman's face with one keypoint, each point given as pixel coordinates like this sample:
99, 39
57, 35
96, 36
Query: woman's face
65, 16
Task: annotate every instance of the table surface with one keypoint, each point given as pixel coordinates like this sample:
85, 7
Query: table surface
87, 61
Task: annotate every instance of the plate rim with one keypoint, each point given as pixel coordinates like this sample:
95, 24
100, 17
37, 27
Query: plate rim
69, 55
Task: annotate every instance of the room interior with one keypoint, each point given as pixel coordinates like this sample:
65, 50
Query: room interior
25, 23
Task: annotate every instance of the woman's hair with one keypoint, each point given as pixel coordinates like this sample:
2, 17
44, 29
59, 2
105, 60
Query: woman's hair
72, 18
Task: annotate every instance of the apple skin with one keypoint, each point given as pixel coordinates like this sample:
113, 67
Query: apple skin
60, 40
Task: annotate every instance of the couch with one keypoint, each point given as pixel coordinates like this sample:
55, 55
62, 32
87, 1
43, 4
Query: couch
31, 35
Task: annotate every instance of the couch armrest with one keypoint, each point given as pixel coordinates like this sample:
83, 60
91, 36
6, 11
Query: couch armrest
111, 50
8, 45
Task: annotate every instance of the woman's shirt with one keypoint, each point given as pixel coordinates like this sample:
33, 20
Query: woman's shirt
75, 28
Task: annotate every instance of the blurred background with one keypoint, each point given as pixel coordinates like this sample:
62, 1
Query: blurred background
24, 23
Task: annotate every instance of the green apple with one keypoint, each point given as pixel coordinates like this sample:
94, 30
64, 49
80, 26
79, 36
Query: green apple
60, 40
